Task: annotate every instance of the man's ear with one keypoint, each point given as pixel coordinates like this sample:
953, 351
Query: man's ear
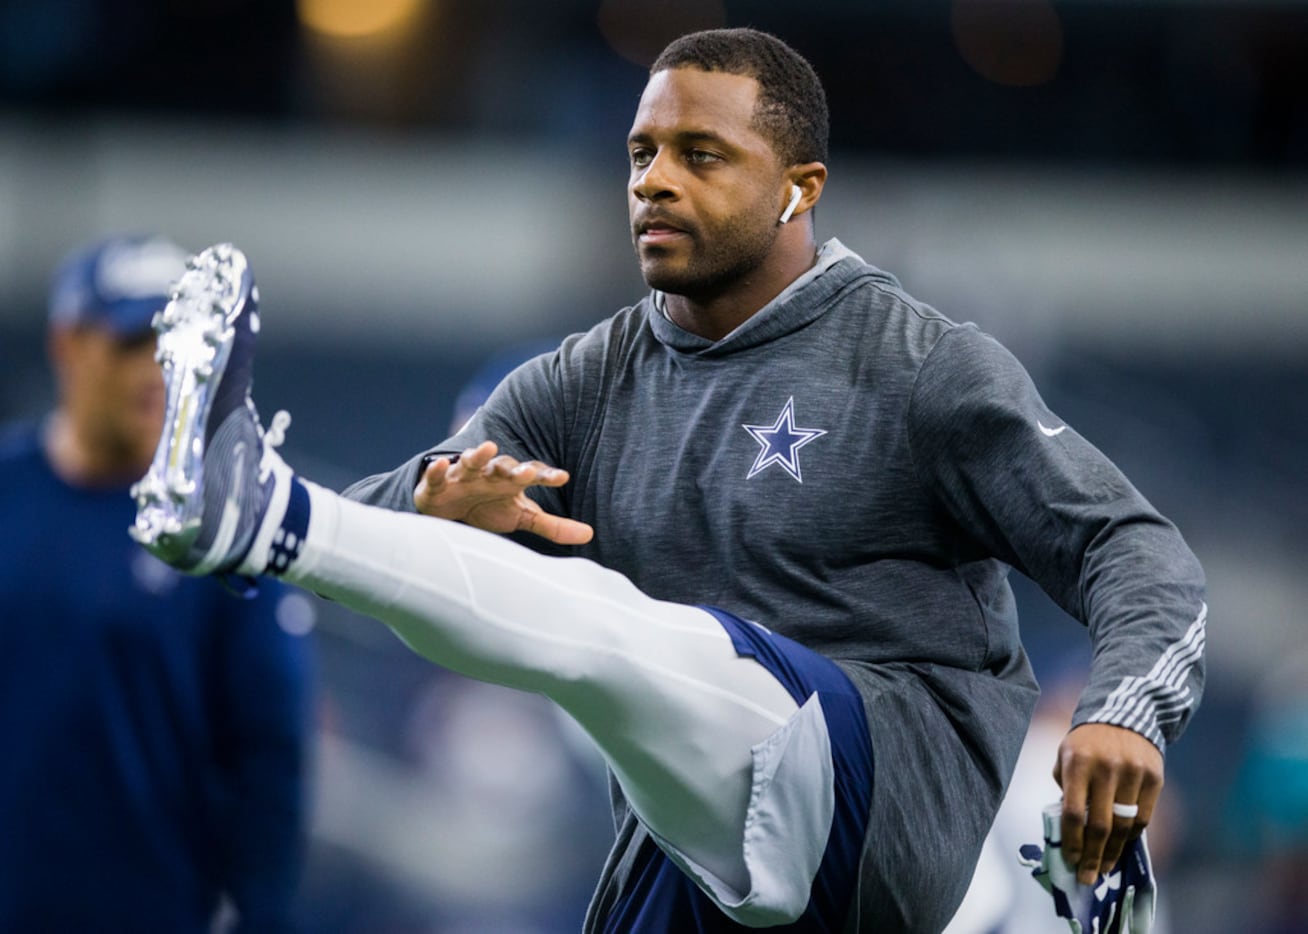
810, 178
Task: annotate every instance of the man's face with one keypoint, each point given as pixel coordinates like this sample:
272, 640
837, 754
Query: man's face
704, 183
113, 391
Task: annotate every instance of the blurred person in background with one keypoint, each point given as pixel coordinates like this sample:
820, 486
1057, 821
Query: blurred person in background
154, 725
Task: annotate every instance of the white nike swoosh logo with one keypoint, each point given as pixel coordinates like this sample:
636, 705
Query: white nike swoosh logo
1051, 432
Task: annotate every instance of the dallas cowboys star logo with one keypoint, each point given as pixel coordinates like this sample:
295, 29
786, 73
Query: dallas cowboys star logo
780, 442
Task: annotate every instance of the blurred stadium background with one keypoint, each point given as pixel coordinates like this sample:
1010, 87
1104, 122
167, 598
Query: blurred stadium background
1117, 190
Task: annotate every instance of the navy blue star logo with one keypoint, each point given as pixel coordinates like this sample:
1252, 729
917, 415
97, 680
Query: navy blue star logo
780, 442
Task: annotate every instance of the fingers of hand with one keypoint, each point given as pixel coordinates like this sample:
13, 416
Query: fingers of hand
485, 462
523, 474
1073, 824
486, 489
1130, 808
473, 460
434, 475
1094, 781
558, 529
1096, 836
431, 483
1119, 834
544, 475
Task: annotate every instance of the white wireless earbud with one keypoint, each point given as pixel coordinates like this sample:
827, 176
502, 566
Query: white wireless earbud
795, 195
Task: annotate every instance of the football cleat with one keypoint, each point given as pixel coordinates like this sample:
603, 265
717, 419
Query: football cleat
215, 472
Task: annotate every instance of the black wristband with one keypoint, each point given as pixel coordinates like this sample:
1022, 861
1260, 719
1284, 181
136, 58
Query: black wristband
428, 459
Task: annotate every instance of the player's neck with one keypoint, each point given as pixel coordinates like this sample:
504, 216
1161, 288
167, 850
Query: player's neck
714, 315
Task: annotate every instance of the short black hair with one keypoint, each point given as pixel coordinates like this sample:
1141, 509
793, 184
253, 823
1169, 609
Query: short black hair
792, 106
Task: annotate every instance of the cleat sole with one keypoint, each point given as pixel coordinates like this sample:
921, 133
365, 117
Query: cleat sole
194, 342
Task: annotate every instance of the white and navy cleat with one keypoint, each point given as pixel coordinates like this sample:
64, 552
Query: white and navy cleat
216, 475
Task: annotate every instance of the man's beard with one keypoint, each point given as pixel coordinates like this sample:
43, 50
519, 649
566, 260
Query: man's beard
714, 270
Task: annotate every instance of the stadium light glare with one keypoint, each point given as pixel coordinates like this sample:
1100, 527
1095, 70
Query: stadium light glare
357, 19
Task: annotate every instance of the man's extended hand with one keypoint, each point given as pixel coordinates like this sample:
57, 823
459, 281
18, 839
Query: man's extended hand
489, 492
1100, 765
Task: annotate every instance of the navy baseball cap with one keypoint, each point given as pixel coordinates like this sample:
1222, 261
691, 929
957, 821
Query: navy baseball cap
116, 284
